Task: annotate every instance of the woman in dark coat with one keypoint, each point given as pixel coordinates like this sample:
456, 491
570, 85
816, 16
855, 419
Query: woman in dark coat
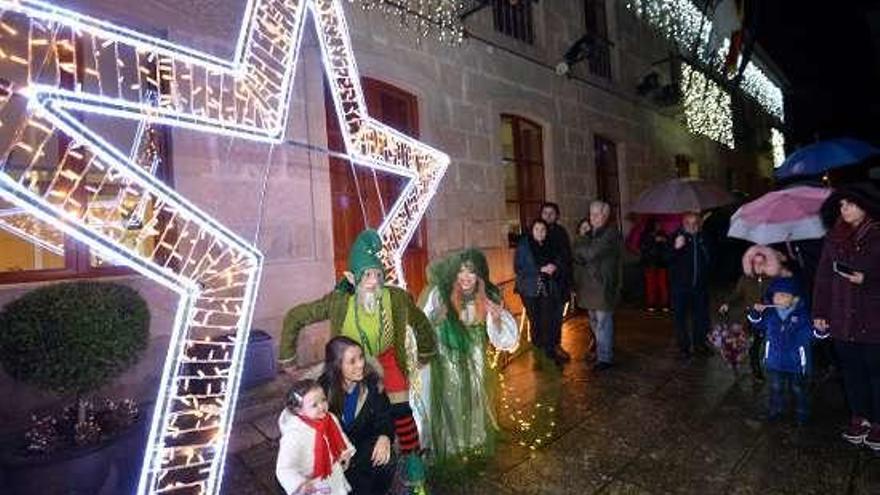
354, 393
653, 246
537, 283
846, 303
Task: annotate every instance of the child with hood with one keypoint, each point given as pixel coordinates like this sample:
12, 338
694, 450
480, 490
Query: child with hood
788, 330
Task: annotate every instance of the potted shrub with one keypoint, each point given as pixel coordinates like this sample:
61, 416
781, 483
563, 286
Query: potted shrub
70, 339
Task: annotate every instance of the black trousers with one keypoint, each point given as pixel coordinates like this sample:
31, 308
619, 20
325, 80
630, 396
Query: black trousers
756, 354
860, 366
690, 309
545, 322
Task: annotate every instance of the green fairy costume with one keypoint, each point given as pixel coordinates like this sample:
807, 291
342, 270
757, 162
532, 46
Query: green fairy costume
458, 389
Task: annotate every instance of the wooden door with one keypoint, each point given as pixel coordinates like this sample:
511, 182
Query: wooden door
361, 197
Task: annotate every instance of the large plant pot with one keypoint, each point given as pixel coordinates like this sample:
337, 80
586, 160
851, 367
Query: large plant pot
108, 468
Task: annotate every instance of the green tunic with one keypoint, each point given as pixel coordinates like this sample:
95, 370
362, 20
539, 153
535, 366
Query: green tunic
366, 328
334, 307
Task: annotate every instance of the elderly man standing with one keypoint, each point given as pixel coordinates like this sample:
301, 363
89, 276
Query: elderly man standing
376, 316
597, 273
688, 270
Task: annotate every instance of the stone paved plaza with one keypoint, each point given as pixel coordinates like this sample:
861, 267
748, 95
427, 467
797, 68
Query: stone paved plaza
650, 425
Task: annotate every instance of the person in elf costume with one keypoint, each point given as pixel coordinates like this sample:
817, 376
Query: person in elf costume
457, 400
376, 316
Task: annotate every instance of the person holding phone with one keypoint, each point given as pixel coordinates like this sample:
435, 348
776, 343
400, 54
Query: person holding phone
846, 303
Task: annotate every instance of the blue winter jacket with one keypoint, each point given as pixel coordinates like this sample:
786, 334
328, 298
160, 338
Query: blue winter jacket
787, 344
528, 272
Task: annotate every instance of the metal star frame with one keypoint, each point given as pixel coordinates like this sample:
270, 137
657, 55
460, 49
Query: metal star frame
57, 175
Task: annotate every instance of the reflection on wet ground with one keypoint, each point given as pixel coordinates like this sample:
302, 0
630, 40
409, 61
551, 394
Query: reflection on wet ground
651, 424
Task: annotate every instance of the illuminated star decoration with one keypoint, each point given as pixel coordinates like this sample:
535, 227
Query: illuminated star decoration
57, 174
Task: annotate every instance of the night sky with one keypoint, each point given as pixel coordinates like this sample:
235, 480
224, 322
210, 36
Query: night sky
831, 56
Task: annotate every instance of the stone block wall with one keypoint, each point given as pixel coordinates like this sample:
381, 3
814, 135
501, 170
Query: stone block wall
462, 92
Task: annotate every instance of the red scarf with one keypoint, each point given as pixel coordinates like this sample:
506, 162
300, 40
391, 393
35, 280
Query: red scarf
329, 444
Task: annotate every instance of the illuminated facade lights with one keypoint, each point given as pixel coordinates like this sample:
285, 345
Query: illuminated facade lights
777, 143
707, 108
58, 176
757, 85
683, 24
423, 18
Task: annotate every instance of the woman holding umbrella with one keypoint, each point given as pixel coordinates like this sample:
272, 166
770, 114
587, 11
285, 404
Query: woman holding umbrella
846, 303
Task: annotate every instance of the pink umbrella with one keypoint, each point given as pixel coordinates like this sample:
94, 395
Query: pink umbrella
668, 223
781, 216
682, 196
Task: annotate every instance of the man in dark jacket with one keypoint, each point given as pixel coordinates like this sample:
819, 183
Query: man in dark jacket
560, 243
688, 268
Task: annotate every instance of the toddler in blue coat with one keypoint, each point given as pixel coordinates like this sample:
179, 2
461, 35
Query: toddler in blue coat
788, 329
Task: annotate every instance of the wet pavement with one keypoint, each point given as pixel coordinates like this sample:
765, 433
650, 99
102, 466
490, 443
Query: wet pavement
651, 424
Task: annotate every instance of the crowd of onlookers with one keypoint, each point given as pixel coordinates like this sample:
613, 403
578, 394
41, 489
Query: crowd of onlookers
796, 306
792, 310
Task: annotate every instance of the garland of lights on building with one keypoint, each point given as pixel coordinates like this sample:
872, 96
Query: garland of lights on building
777, 144
683, 24
438, 18
707, 107
59, 177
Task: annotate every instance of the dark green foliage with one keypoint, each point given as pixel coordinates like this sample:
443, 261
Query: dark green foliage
71, 338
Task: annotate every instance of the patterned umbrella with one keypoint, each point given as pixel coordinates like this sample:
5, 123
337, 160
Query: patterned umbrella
780, 216
681, 196
820, 157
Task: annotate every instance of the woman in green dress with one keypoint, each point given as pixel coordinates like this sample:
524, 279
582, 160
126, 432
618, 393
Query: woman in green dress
456, 412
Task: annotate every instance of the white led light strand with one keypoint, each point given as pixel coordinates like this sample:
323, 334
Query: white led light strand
707, 108
683, 24
58, 177
777, 144
440, 18
757, 85
679, 21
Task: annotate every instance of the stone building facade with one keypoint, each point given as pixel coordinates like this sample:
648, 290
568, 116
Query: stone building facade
462, 93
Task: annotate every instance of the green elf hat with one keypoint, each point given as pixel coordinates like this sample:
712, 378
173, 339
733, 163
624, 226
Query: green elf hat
364, 254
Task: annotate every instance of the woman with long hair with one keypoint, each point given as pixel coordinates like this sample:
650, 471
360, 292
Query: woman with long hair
355, 396
465, 309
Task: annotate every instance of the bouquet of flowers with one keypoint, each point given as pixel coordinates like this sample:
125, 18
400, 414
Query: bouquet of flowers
731, 341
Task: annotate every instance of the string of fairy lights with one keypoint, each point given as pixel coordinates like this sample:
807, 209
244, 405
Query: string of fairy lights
439, 19
777, 145
61, 178
707, 107
683, 24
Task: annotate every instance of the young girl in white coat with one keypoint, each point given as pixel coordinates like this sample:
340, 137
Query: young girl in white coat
313, 451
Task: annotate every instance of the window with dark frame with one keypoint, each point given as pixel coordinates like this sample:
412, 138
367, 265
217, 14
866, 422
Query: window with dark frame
607, 174
596, 20
522, 153
684, 167
360, 196
23, 261
514, 18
